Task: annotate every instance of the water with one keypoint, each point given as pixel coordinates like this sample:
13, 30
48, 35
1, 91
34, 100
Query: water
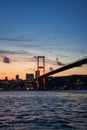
43, 110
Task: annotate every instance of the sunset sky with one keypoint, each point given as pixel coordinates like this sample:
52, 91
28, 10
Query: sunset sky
56, 29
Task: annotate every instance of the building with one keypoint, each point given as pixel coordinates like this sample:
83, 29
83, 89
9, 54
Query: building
6, 78
26, 76
29, 76
17, 77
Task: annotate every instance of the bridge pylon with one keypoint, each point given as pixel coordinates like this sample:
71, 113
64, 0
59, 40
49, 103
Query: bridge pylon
40, 66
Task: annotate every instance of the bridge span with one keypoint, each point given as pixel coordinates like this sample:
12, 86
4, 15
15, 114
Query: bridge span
66, 67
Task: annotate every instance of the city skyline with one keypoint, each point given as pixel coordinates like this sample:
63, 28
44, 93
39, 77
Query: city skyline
56, 29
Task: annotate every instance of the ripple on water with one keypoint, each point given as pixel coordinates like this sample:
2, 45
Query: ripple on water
43, 111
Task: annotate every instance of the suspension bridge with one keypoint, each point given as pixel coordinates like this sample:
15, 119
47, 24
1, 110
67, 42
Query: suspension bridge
66, 67
77, 63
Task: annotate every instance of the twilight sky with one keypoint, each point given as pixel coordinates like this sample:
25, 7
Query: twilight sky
54, 28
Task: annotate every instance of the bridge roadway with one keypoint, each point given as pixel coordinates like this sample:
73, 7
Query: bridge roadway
66, 67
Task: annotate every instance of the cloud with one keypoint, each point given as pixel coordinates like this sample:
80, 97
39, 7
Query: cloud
17, 39
60, 63
63, 51
51, 68
24, 56
16, 56
6, 60
21, 52
55, 62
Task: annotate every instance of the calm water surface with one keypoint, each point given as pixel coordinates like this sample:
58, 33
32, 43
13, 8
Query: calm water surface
43, 110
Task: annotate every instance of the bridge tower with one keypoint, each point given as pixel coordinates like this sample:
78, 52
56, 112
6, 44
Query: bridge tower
40, 65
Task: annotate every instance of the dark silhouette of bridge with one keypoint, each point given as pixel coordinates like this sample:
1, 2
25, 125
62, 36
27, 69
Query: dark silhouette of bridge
66, 67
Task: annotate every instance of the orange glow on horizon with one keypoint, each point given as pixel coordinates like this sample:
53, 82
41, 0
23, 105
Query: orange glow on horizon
12, 69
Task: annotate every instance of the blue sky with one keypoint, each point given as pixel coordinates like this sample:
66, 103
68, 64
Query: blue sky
54, 28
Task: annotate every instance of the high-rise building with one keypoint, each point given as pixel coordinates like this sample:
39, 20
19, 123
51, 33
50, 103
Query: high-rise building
26, 76
17, 77
6, 78
29, 76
